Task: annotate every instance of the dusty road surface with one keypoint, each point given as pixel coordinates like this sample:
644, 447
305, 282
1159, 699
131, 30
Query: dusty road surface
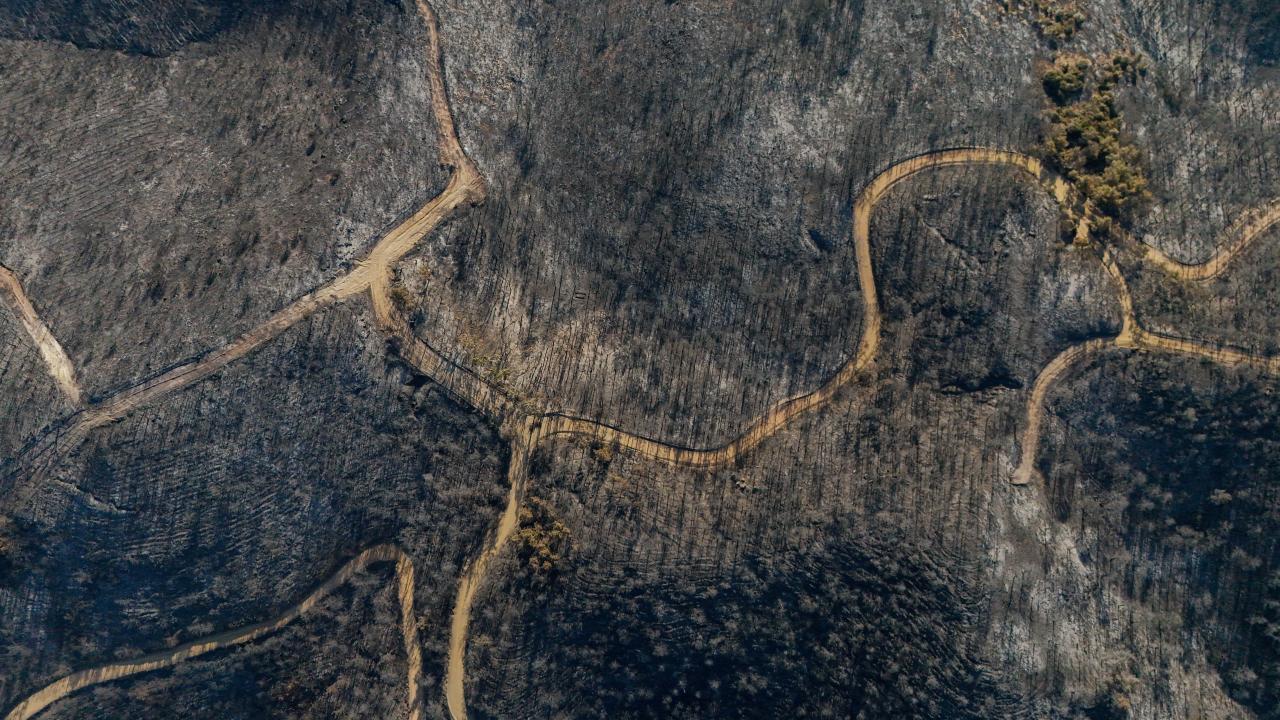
60, 367
465, 187
1239, 237
780, 415
63, 687
1133, 336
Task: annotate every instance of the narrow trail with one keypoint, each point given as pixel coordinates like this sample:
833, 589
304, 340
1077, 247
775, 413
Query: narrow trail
63, 687
1244, 231
60, 367
526, 429
1133, 336
473, 576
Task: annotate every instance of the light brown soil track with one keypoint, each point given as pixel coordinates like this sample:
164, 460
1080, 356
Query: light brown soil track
783, 413
525, 429
465, 187
64, 686
1133, 336
60, 367
1240, 236
780, 415
474, 576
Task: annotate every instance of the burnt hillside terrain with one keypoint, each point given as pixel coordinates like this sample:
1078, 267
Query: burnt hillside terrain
619, 359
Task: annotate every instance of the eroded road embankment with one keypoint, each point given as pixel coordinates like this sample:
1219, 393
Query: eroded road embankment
62, 687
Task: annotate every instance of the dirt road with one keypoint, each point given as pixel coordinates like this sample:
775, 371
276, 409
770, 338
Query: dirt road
455, 673
868, 346
60, 688
463, 383
527, 430
534, 430
1133, 336
465, 187
60, 367
757, 431
1239, 237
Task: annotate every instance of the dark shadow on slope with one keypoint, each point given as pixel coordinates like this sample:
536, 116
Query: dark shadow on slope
144, 27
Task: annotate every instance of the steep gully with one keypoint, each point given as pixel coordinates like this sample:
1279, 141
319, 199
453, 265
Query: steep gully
525, 429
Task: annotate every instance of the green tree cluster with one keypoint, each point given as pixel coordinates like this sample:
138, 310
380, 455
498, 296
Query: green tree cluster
1065, 79
542, 536
1083, 136
1055, 20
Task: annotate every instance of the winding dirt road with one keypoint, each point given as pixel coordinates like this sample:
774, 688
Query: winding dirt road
1133, 336
1243, 232
60, 367
1029, 447
60, 688
474, 574
778, 416
786, 411
465, 186
1048, 377
527, 430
